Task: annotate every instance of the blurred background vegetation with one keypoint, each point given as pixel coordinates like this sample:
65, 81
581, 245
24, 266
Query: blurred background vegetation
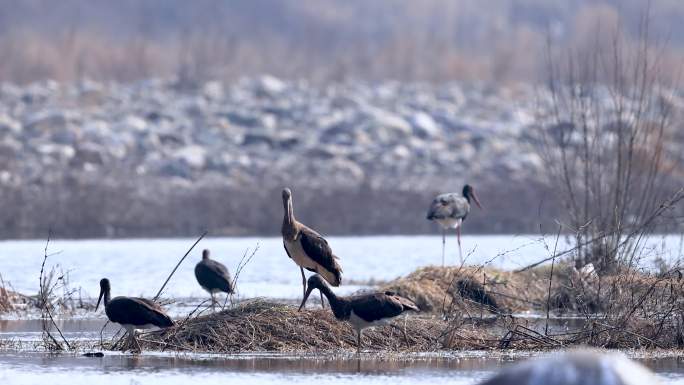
321, 40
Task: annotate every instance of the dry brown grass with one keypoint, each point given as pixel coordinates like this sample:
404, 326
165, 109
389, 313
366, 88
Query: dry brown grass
5, 301
627, 309
259, 326
435, 289
630, 309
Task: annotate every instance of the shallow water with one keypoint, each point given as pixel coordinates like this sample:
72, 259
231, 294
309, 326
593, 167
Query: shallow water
140, 266
464, 367
155, 368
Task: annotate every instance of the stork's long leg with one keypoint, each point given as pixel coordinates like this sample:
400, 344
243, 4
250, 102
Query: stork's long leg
358, 341
460, 252
443, 244
132, 341
213, 303
322, 302
129, 340
303, 282
137, 344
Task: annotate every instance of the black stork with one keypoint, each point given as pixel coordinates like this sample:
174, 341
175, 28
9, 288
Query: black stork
132, 313
581, 367
361, 311
308, 249
450, 210
213, 276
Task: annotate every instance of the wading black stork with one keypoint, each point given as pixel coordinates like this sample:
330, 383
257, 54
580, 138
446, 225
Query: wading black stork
308, 249
132, 313
213, 276
582, 367
450, 210
361, 311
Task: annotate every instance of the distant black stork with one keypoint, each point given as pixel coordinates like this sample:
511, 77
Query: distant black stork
213, 276
581, 367
450, 210
361, 311
308, 249
131, 312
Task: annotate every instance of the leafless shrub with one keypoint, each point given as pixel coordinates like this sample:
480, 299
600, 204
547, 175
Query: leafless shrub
5, 297
605, 135
49, 281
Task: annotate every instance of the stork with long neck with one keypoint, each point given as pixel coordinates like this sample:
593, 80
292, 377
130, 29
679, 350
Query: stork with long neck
450, 210
308, 249
361, 311
132, 312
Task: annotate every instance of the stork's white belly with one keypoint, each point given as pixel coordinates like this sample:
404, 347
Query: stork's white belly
130, 327
297, 253
450, 223
359, 323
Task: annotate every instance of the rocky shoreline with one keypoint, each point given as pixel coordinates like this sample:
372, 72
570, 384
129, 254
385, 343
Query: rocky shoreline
147, 158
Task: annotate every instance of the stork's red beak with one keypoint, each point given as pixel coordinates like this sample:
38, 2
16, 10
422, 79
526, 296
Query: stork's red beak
99, 299
477, 201
306, 296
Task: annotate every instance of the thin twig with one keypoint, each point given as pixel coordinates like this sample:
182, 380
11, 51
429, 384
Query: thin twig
45, 297
548, 296
161, 289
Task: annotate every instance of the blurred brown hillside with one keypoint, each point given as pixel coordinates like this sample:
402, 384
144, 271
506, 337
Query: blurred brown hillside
318, 39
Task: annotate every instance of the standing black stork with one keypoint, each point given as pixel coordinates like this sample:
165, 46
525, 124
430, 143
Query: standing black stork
213, 276
361, 311
131, 312
308, 249
582, 367
450, 210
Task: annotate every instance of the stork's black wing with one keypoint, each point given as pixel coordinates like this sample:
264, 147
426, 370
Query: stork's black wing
450, 205
213, 275
317, 248
380, 305
137, 311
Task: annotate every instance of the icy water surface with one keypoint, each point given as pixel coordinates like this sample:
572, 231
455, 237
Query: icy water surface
157, 368
139, 267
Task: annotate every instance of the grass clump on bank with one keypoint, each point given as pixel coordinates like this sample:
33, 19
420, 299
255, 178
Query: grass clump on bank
626, 308
260, 326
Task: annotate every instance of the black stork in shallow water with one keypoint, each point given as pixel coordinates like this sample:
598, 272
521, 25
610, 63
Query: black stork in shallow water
213, 276
308, 249
580, 367
361, 311
131, 312
450, 210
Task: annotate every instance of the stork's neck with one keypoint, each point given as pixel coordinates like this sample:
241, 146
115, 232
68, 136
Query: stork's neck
107, 294
337, 304
289, 230
466, 194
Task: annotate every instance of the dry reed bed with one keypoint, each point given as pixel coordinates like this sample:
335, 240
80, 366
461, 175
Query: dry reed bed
11, 301
623, 309
626, 309
259, 326
435, 289
6, 301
